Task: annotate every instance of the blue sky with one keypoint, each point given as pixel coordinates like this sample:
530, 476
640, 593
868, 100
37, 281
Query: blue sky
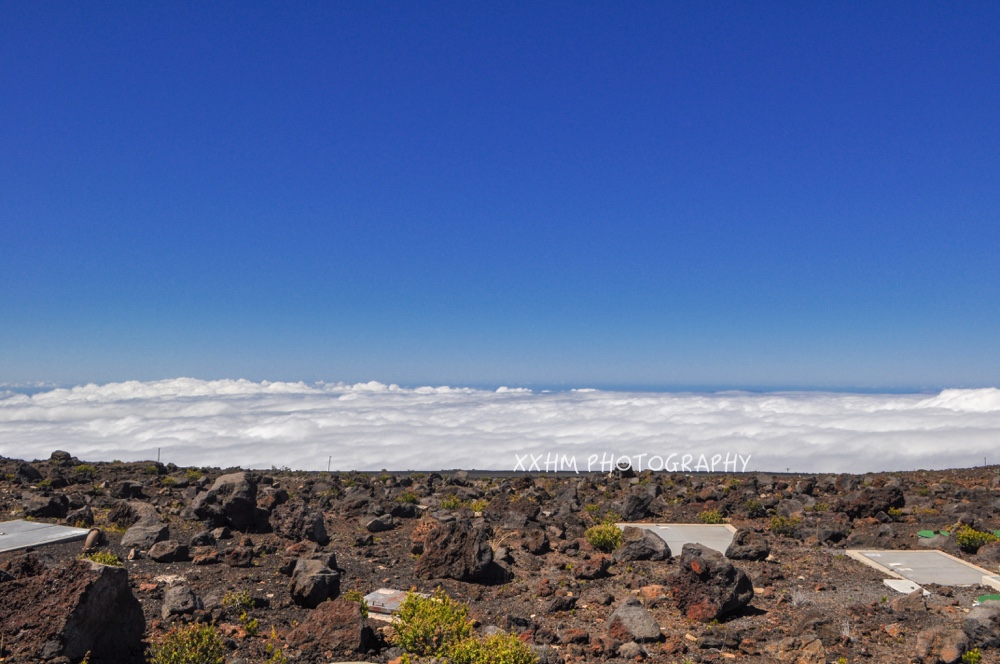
703, 194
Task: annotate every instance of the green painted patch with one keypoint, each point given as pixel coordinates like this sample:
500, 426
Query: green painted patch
925, 533
987, 598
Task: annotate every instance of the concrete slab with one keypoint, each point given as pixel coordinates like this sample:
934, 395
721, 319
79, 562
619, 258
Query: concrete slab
903, 586
19, 534
676, 535
387, 600
923, 567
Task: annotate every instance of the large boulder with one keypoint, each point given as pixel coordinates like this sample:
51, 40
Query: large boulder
296, 521
313, 582
641, 544
870, 501
179, 600
632, 622
232, 501
338, 625
707, 586
455, 550
70, 610
748, 545
634, 505
148, 528
45, 507
982, 625
941, 645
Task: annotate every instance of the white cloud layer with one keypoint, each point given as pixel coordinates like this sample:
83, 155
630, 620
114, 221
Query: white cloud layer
370, 426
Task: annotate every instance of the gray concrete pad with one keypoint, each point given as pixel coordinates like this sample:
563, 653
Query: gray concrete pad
922, 567
676, 535
19, 534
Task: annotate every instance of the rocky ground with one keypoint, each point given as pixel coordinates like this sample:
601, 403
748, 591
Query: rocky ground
260, 554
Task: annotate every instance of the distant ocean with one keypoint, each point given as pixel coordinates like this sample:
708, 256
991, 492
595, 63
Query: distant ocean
373, 426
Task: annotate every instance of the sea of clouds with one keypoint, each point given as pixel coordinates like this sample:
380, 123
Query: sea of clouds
371, 426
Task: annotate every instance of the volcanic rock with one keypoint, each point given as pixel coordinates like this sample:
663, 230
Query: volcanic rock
707, 586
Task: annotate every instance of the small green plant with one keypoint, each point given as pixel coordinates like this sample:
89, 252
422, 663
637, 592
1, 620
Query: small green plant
251, 625
432, 626
478, 505
923, 491
841, 660
151, 469
84, 469
238, 601
190, 644
408, 497
754, 509
604, 536
970, 540
895, 513
167, 481
44, 484
273, 650
784, 526
192, 475
591, 508
974, 656
500, 648
821, 507
356, 596
103, 558
711, 516
451, 502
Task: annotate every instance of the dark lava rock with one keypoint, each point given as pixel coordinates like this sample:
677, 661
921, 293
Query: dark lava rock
126, 490
594, 568
295, 521
641, 544
313, 582
28, 472
83, 517
232, 501
179, 600
632, 622
535, 541
982, 625
634, 506
144, 535
168, 551
380, 524
239, 556
338, 625
45, 507
70, 610
870, 501
455, 550
941, 644
707, 586
748, 545
561, 603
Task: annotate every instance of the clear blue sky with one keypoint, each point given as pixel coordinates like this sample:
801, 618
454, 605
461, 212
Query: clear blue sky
617, 194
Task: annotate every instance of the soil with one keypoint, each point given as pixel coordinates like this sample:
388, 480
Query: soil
807, 588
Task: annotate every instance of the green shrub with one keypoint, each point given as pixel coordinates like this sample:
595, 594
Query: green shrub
784, 526
974, 656
895, 513
84, 469
432, 626
192, 475
711, 516
478, 505
451, 502
191, 644
754, 509
238, 601
103, 558
409, 497
494, 649
167, 481
604, 536
970, 539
